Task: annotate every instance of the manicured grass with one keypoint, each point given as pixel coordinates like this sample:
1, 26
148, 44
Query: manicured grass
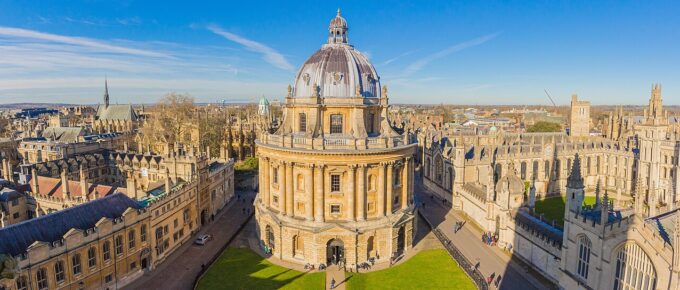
243, 269
553, 207
431, 269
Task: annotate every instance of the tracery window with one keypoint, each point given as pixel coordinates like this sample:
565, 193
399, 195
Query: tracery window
584, 246
439, 168
634, 269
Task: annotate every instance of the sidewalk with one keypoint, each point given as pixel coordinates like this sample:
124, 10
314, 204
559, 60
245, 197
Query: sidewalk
180, 269
335, 272
492, 260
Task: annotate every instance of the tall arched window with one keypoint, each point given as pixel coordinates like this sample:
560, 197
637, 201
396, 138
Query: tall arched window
634, 269
450, 175
427, 167
92, 257
439, 168
41, 278
534, 170
546, 169
59, 271
22, 283
75, 264
584, 246
370, 247
523, 170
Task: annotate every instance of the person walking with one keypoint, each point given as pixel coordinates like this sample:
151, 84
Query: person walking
333, 283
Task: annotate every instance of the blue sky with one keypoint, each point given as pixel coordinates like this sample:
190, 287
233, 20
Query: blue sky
467, 52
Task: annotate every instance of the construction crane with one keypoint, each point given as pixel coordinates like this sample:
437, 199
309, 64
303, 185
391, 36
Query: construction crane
550, 98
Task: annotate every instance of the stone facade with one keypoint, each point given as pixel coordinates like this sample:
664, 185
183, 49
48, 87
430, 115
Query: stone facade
336, 180
579, 118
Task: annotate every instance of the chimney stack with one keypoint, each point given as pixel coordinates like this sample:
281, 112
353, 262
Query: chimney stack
84, 188
64, 183
34, 181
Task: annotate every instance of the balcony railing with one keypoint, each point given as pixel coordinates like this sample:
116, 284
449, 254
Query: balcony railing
333, 142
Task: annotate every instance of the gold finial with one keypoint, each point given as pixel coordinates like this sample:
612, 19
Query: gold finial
338, 11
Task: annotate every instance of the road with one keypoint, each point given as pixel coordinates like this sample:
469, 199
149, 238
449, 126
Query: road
468, 241
184, 265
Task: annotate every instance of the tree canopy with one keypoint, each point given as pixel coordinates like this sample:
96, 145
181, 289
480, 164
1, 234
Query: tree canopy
543, 126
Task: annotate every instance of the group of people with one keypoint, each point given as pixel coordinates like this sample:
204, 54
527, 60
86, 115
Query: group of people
489, 239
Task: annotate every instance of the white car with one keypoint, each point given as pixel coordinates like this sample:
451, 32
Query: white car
203, 239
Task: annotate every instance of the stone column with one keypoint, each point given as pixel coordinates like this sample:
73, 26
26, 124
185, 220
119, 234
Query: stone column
405, 183
309, 191
318, 193
390, 187
361, 193
381, 190
350, 191
270, 176
289, 188
264, 185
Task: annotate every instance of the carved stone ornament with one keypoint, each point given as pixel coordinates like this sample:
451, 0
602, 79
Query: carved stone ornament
306, 78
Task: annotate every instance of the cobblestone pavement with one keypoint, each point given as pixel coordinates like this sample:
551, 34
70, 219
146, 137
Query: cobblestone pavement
492, 260
179, 271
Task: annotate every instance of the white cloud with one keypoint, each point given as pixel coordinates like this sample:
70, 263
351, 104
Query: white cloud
79, 41
419, 64
391, 60
269, 54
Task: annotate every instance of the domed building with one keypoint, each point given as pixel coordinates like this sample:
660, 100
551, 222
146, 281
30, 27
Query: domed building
336, 180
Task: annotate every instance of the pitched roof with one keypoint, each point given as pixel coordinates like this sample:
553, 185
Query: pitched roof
49, 228
63, 134
53, 187
116, 112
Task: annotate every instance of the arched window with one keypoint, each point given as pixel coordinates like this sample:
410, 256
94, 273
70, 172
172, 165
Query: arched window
270, 237
92, 257
439, 168
634, 269
546, 169
118, 243
75, 264
450, 175
397, 176
523, 170
131, 239
336, 124
22, 283
59, 271
106, 249
583, 256
590, 164
275, 175
41, 278
302, 122
558, 169
534, 170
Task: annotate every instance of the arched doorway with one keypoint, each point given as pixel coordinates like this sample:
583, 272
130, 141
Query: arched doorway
204, 217
401, 240
335, 251
270, 237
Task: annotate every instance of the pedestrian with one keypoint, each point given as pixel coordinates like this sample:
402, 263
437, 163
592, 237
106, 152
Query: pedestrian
333, 283
498, 281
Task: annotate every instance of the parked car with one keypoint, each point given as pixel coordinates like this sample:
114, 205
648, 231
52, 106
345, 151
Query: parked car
203, 239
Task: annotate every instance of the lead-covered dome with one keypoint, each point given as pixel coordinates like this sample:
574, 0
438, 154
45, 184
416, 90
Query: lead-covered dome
337, 69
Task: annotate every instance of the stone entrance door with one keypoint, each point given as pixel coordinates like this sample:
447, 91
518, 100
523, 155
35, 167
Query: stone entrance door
335, 252
401, 240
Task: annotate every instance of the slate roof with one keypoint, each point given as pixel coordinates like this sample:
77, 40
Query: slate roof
49, 228
63, 134
554, 234
116, 112
8, 194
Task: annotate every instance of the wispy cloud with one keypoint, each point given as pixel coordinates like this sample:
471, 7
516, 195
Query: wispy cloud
269, 54
391, 60
79, 41
419, 64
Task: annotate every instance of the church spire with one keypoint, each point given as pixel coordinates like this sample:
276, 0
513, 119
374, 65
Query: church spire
106, 93
654, 113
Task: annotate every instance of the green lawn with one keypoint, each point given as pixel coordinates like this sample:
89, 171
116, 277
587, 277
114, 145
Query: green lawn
553, 207
431, 269
244, 269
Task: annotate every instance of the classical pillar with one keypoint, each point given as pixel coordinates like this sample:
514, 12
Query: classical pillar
390, 186
350, 191
270, 175
381, 190
405, 183
289, 188
318, 193
309, 191
361, 193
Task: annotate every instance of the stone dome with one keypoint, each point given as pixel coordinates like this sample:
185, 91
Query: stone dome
337, 69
